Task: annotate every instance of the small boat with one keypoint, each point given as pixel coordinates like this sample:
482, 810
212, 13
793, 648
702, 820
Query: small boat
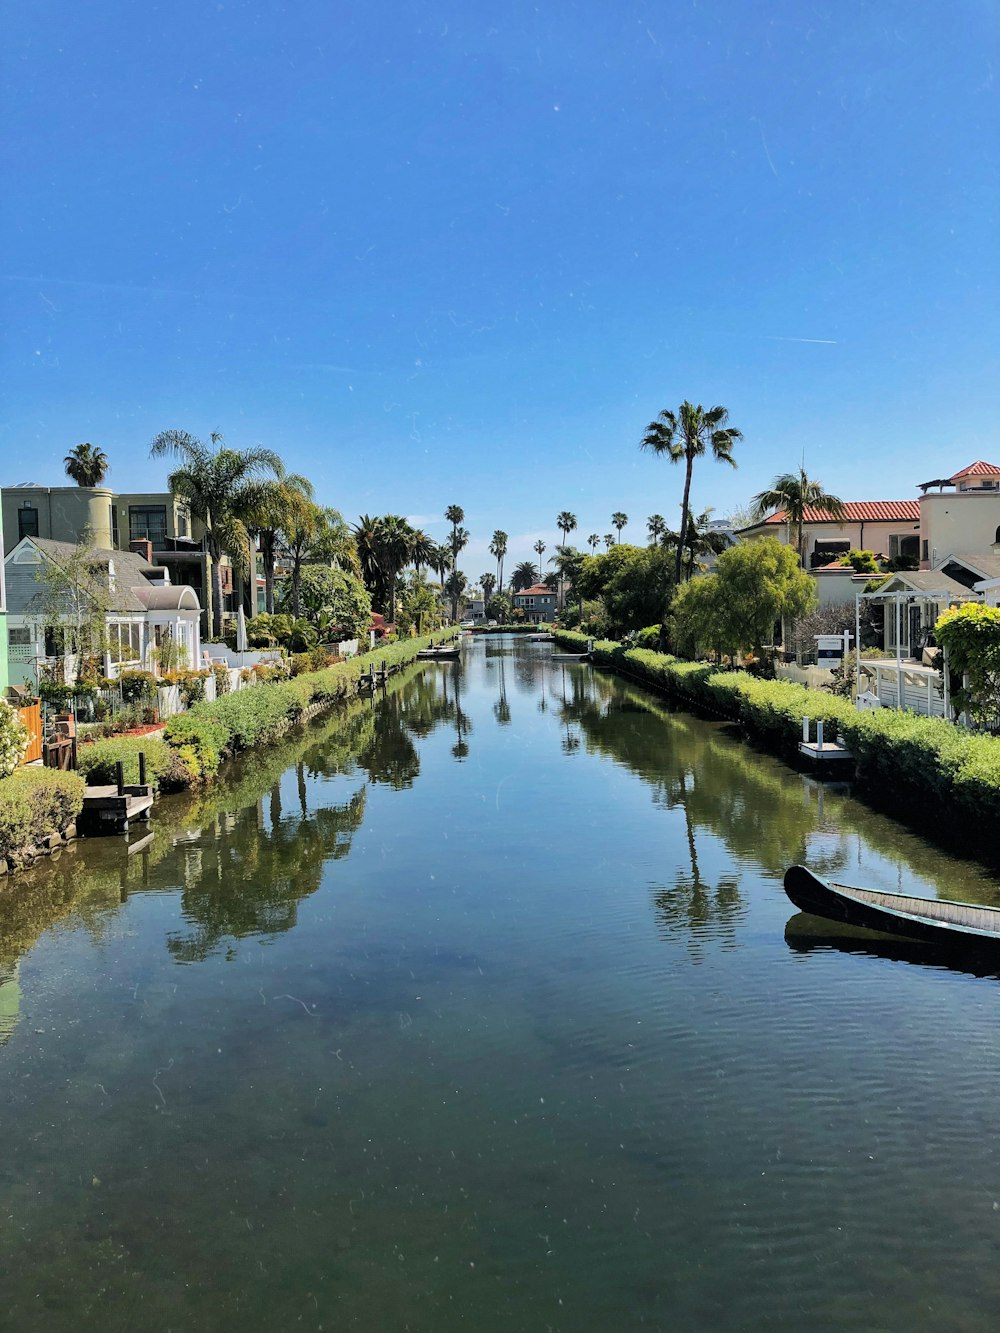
439, 654
541, 638
935, 920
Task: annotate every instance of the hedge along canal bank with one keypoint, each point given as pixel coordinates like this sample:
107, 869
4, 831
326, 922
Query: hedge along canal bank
39, 807
900, 758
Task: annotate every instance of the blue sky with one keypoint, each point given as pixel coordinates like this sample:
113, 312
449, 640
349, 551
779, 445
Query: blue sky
448, 253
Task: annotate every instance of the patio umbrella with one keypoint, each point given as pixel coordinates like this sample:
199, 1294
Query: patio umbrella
241, 631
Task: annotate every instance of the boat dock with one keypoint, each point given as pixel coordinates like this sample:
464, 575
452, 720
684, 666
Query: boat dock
820, 750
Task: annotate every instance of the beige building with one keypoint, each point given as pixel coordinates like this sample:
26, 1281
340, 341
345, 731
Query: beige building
888, 527
964, 517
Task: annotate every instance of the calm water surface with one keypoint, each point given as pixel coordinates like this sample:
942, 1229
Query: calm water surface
482, 1008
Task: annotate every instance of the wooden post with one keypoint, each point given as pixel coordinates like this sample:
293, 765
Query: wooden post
120, 776
805, 731
142, 768
819, 734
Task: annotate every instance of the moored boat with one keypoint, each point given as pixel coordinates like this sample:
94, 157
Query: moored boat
937, 921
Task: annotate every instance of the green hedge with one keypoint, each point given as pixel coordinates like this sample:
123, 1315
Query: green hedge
96, 762
902, 754
35, 803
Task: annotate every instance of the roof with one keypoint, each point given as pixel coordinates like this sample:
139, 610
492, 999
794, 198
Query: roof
131, 571
979, 562
858, 511
977, 469
926, 581
536, 590
173, 597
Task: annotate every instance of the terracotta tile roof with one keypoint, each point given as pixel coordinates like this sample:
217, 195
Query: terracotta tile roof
536, 590
977, 469
861, 511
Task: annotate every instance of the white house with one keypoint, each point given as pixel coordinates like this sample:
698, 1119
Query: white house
146, 617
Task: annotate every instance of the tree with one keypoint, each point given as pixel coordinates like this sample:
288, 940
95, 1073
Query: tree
525, 576
458, 541
593, 541
634, 583
791, 495
970, 634
422, 550
487, 582
566, 523
703, 539
756, 585
498, 548
278, 506
619, 521
656, 526
395, 540
686, 435
72, 605
539, 550
222, 488
609, 540
333, 544
86, 465
297, 534
455, 588
332, 600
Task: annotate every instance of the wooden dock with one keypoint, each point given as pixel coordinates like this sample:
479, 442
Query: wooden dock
108, 810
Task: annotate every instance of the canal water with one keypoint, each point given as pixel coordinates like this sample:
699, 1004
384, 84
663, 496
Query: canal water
480, 1007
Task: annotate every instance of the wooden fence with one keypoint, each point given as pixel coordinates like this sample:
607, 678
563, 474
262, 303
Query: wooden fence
31, 716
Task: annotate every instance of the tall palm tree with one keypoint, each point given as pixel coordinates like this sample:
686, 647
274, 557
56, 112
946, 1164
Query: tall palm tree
222, 487
280, 504
86, 465
656, 526
525, 576
609, 540
593, 541
684, 436
303, 524
458, 540
423, 549
619, 521
539, 550
792, 494
487, 582
498, 548
566, 523
395, 547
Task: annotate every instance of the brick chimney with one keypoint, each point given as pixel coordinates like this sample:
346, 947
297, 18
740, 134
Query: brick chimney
142, 546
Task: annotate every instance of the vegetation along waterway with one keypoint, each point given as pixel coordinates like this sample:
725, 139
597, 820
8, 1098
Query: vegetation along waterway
480, 1006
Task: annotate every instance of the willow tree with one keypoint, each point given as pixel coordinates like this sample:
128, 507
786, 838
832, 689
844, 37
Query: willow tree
688, 434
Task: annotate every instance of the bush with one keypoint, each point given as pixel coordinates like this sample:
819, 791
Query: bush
221, 675
136, 686
35, 803
13, 739
96, 762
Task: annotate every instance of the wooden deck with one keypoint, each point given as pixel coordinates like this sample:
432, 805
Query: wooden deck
106, 810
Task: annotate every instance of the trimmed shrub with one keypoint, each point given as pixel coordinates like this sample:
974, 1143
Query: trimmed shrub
35, 803
96, 763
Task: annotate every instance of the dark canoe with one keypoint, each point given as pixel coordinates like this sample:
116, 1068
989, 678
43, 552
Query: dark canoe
934, 920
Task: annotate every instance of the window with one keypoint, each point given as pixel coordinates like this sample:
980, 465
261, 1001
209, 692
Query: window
27, 523
182, 524
903, 544
824, 553
924, 550
124, 642
148, 523
113, 514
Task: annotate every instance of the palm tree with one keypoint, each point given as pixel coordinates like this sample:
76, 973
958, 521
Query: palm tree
703, 539
395, 549
222, 487
423, 549
619, 520
792, 494
609, 540
525, 576
498, 548
593, 541
86, 465
487, 582
656, 526
686, 436
303, 523
539, 550
566, 523
279, 506
459, 539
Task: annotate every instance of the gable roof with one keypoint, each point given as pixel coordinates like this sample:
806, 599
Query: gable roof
977, 469
131, 570
536, 590
927, 582
858, 511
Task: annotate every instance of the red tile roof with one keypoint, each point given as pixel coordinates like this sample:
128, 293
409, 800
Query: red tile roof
536, 590
861, 511
978, 469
